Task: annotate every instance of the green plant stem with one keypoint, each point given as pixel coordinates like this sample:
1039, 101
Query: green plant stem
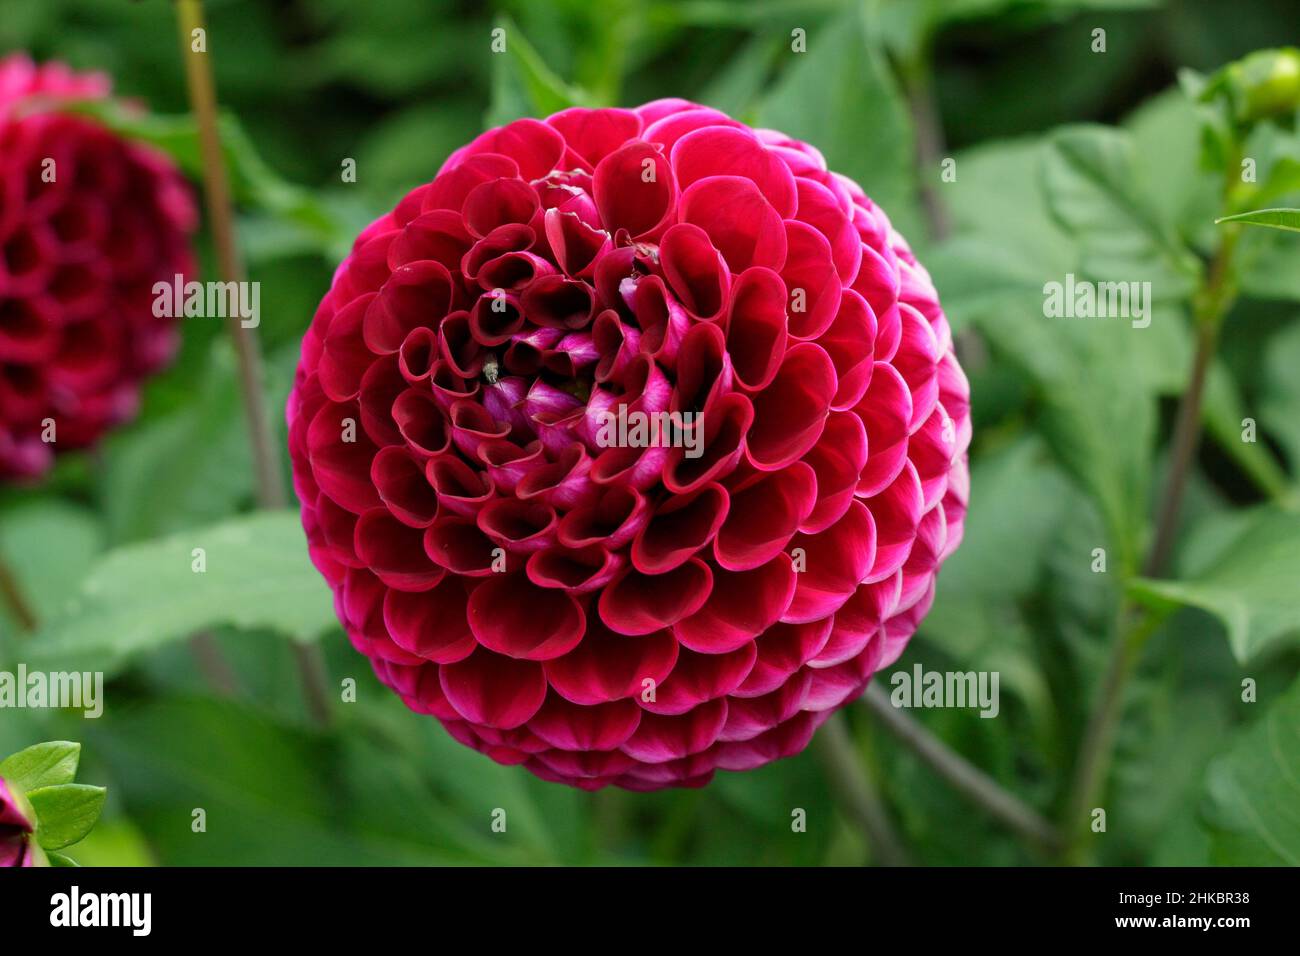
11, 592
1209, 306
856, 792
963, 776
270, 490
1093, 763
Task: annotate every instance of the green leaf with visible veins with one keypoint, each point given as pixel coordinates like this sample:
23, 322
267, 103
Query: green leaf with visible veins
1288, 219
140, 596
1250, 586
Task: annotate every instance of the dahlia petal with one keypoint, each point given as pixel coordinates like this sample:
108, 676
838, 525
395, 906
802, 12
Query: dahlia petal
782, 650
569, 726
433, 625
790, 413
837, 460
399, 479
494, 690
695, 270
811, 279
395, 552
764, 516
740, 223
741, 605
659, 739
697, 679
836, 560
679, 528
514, 617
886, 413
756, 327
638, 603
606, 666
724, 150
635, 189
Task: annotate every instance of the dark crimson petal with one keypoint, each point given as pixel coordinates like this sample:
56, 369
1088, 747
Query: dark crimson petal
695, 270
835, 561
679, 528
764, 516
789, 414
399, 478
395, 552
638, 603
608, 666
594, 727
727, 151
514, 617
494, 690
837, 459
635, 189
594, 134
756, 327
742, 605
811, 280
433, 625
738, 220
659, 739
457, 544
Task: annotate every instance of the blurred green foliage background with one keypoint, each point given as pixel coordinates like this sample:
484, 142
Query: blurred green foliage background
1071, 428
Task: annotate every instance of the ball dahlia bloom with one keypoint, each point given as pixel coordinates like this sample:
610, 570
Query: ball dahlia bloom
636, 613
88, 223
17, 845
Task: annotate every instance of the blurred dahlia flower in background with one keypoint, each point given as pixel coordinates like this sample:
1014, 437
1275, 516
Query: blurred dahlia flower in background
631, 614
88, 223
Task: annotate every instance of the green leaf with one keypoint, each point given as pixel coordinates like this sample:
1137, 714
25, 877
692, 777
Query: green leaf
1250, 586
51, 544
58, 859
189, 468
1253, 805
840, 96
65, 813
139, 596
274, 793
522, 83
1288, 219
1095, 193
42, 765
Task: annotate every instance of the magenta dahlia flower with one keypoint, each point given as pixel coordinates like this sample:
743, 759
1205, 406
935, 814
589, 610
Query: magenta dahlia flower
514, 547
88, 223
17, 846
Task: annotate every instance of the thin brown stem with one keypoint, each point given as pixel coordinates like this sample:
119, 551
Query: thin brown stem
963, 776
221, 216
857, 793
11, 592
930, 145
